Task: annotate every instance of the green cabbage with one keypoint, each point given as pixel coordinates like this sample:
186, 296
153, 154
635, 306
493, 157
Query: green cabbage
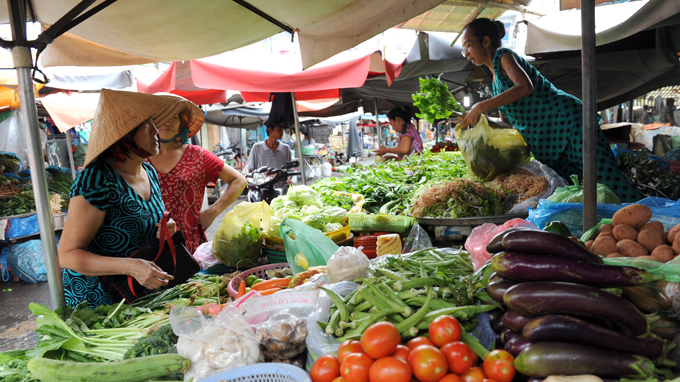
282, 202
309, 210
315, 221
330, 227
335, 214
304, 196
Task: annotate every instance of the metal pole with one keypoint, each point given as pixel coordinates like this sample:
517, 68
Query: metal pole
21, 57
377, 122
630, 111
299, 142
589, 85
70, 154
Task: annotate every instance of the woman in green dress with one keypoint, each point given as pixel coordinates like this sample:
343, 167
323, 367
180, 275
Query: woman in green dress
549, 119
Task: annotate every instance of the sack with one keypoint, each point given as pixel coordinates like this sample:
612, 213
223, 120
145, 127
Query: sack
238, 241
305, 246
27, 262
554, 182
574, 194
488, 151
169, 253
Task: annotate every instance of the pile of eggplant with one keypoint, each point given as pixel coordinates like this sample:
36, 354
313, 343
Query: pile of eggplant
565, 314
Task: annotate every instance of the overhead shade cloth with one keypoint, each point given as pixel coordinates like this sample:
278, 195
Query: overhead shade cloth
88, 79
135, 32
69, 109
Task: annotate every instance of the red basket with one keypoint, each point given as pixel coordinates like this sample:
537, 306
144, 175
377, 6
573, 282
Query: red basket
369, 243
233, 285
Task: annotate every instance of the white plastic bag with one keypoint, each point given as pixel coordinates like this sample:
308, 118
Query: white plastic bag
13, 139
539, 169
205, 256
347, 264
222, 343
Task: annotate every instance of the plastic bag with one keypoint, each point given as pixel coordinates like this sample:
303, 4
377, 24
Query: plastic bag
670, 270
305, 246
347, 264
417, 239
554, 181
19, 227
574, 194
488, 151
13, 138
205, 256
280, 321
482, 235
4, 268
318, 342
664, 210
238, 241
222, 343
27, 262
589, 234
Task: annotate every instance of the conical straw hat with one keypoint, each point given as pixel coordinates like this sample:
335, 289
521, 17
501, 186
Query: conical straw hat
118, 113
195, 114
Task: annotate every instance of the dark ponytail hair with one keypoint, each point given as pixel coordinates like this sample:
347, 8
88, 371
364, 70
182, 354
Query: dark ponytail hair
404, 112
482, 27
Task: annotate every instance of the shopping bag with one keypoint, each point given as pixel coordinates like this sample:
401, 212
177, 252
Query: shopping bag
574, 194
238, 241
305, 246
488, 151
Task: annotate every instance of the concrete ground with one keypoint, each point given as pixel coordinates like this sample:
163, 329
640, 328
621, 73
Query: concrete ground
17, 323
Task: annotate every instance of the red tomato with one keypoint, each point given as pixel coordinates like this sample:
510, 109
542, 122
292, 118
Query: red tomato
458, 356
349, 347
450, 378
444, 329
355, 367
428, 363
325, 369
484, 380
499, 355
475, 358
402, 352
380, 339
339, 379
475, 374
390, 369
417, 341
499, 370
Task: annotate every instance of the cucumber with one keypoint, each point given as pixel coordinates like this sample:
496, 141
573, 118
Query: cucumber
129, 370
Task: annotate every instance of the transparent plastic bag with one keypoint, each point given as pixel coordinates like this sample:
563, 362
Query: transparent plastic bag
554, 181
27, 262
482, 235
280, 321
417, 239
221, 343
347, 264
318, 342
238, 241
574, 194
488, 151
205, 256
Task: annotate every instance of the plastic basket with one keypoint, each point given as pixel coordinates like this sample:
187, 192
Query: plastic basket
380, 223
369, 244
233, 285
262, 372
309, 150
336, 236
274, 256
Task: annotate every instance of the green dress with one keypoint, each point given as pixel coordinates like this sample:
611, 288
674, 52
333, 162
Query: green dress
550, 121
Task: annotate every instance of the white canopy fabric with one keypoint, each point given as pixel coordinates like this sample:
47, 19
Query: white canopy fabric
132, 32
561, 31
89, 79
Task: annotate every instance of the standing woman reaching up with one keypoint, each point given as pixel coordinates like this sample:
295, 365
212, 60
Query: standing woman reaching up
549, 119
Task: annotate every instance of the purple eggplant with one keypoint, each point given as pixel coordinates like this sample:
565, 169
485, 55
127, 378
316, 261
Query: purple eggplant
542, 359
495, 245
497, 324
562, 328
507, 335
543, 297
547, 243
516, 321
516, 345
497, 286
527, 267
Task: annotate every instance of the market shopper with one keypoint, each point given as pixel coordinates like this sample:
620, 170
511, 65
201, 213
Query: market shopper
270, 153
549, 119
409, 139
185, 170
116, 201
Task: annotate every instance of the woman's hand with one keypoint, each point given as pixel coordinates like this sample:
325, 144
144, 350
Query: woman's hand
206, 218
472, 117
381, 151
149, 275
172, 227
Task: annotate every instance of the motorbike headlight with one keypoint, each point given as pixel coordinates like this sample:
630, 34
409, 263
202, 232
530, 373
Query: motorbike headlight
258, 178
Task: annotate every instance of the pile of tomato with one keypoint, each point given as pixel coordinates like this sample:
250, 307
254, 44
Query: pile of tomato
380, 356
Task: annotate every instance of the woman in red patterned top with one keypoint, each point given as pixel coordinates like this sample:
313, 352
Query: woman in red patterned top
185, 170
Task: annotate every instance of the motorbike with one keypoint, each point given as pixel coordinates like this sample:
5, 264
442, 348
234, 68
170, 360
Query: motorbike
262, 181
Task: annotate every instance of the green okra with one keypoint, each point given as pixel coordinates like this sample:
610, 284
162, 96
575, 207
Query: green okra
417, 316
333, 323
337, 300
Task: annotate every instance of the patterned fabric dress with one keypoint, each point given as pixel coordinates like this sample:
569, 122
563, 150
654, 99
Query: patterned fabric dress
550, 121
183, 188
130, 222
416, 142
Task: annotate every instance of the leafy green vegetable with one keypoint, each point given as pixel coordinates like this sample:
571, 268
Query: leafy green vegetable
574, 194
161, 341
649, 176
304, 196
22, 202
242, 251
457, 199
10, 162
15, 370
435, 101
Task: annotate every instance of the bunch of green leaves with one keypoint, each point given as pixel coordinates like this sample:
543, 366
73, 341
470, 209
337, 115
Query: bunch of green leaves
242, 250
15, 370
22, 202
435, 101
466, 199
649, 176
161, 341
10, 162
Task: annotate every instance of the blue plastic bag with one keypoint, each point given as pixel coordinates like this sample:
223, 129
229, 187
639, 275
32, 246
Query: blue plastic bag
27, 262
20, 227
4, 258
664, 210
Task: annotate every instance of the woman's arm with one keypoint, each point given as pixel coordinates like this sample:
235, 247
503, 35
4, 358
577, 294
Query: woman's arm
83, 222
237, 183
522, 88
403, 149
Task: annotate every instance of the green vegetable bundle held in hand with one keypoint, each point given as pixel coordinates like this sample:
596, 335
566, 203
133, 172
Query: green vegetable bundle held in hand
435, 101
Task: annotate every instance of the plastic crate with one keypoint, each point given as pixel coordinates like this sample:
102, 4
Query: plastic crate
369, 244
273, 255
309, 150
380, 223
233, 285
336, 236
262, 372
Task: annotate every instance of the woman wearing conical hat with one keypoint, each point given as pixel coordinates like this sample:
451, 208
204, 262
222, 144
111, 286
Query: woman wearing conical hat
116, 201
185, 170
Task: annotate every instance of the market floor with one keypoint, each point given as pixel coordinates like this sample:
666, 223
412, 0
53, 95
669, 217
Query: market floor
17, 323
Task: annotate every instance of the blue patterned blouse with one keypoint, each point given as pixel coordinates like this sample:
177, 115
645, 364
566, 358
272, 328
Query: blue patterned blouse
130, 222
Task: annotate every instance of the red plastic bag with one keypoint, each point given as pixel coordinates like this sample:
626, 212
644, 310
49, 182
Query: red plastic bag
482, 235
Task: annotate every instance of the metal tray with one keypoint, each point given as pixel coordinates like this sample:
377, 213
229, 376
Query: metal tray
456, 230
